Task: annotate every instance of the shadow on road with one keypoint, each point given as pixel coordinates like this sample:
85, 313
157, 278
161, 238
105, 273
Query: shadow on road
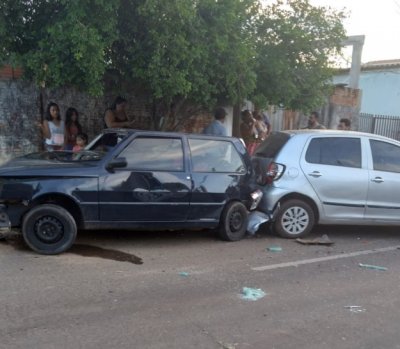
94, 251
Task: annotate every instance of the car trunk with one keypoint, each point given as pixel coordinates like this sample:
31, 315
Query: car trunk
266, 153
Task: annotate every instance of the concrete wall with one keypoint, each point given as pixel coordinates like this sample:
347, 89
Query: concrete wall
20, 113
380, 89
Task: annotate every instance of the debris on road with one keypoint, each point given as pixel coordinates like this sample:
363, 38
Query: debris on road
227, 345
274, 249
374, 267
323, 240
355, 308
252, 294
256, 218
184, 274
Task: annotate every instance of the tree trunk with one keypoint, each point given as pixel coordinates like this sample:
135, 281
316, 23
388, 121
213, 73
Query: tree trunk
236, 121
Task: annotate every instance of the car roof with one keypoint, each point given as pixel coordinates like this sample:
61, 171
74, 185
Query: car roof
328, 132
126, 131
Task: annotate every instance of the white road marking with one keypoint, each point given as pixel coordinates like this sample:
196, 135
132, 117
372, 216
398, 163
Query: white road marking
323, 259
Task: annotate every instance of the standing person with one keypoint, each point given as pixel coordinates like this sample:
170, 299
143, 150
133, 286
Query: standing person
264, 117
80, 143
261, 127
344, 124
217, 127
72, 128
248, 131
115, 116
313, 122
53, 128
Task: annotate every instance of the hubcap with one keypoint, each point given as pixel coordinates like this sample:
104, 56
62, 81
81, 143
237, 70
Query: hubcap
48, 229
295, 220
235, 221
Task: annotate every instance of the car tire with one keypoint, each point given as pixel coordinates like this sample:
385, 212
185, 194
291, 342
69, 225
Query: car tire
233, 224
295, 219
49, 229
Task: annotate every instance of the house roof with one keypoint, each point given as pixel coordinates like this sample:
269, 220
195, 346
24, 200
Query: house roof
376, 65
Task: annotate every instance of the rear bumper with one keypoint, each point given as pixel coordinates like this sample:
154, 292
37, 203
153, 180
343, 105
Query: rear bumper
271, 198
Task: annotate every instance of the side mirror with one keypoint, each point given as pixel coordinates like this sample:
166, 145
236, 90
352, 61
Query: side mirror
116, 163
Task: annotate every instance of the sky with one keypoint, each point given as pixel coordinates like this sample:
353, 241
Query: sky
378, 20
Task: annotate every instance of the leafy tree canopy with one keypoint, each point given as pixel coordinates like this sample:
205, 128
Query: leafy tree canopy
59, 42
296, 45
202, 51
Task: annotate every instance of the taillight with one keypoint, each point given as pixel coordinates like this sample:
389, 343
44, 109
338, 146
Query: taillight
274, 172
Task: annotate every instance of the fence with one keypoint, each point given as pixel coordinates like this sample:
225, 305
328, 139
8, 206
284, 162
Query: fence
384, 125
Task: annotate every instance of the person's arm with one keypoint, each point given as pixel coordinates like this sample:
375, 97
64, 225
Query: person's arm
46, 129
262, 129
66, 136
109, 119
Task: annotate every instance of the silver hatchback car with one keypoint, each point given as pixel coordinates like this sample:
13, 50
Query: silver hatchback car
328, 177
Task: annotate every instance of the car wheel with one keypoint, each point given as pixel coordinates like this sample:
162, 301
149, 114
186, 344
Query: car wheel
233, 222
49, 229
294, 219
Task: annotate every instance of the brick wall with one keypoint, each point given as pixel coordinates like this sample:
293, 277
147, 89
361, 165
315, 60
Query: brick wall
8, 72
344, 102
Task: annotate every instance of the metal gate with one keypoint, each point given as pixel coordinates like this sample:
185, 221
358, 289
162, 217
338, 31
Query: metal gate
384, 125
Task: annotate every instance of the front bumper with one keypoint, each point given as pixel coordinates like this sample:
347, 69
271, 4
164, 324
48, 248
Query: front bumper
5, 223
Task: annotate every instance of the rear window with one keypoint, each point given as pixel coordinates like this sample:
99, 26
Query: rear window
272, 145
215, 156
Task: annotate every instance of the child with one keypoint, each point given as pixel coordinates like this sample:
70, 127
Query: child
72, 128
81, 142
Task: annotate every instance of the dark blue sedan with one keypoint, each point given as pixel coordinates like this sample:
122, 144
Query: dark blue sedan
129, 179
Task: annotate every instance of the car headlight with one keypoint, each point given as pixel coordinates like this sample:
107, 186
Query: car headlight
256, 197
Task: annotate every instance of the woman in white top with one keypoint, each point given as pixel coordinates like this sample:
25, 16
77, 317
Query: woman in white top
53, 128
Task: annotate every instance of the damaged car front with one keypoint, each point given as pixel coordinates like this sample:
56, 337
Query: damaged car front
45, 195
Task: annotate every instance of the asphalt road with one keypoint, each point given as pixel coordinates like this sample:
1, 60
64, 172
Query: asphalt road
182, 290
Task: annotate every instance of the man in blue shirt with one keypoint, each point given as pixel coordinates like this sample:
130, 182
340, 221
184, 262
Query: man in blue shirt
217, 128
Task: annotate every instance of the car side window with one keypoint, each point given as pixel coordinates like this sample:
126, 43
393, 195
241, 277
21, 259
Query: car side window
215, 156
154, 154
335, 151
385, 156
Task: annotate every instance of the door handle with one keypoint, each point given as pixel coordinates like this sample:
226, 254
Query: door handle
315, 174
377, 180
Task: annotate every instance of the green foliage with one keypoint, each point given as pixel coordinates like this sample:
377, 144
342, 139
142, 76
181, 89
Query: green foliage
59, 42
296, 43
201, 51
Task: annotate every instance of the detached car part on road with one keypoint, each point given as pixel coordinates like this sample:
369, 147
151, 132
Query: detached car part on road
129, 180
328, 177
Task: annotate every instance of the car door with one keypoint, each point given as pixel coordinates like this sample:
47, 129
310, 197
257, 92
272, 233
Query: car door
218, 174
155, 185
383, 202
333, 165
